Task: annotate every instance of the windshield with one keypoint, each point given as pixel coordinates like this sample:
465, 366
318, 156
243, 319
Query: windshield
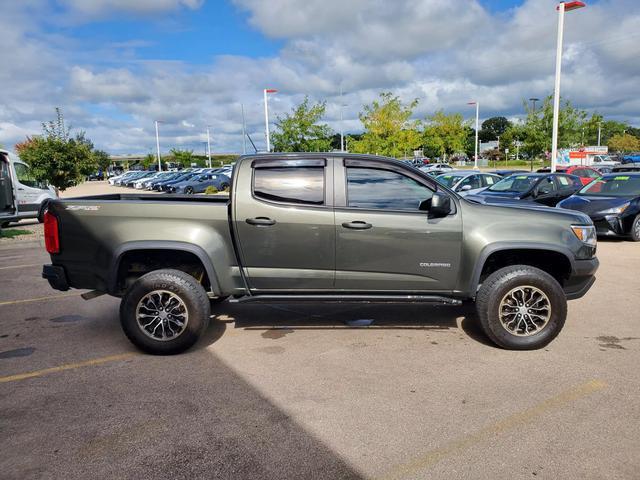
514, 183
449, 180
618, 186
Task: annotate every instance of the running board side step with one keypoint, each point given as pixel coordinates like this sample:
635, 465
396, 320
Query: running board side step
347, 299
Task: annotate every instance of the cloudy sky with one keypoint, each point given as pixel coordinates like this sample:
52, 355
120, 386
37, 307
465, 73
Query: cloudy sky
116, 65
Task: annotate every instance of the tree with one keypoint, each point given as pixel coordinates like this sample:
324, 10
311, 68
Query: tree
300, 131
492, 128
56, 157
388, 128
624, 143
101, 159
445, 134
183, 157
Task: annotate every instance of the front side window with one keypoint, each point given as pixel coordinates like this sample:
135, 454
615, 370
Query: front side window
383, 189
23, 173
300, 185
514, 183
547, 186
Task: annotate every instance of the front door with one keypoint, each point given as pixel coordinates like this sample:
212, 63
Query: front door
285, 226
6, 190
28, 189
384, 242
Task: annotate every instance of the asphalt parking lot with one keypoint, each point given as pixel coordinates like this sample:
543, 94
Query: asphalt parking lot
290, 391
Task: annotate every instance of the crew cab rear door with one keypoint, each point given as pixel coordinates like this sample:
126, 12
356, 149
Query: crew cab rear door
283, 214
383, 241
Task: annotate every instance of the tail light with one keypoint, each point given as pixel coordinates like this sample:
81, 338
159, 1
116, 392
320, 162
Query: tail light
51, 237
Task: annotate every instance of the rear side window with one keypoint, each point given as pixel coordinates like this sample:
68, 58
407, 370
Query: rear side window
384, 189
300, 185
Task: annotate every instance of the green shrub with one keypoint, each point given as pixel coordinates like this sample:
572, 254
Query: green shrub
211, 190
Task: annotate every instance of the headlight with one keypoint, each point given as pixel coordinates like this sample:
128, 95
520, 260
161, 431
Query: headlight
615, 210
586, 234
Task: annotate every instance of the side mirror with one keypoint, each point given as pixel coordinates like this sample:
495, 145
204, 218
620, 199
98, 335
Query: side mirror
465, 188
440, 205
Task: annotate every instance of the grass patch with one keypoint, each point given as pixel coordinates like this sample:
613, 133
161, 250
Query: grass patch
13, 232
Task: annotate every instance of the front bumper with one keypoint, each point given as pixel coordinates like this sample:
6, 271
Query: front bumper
56, 277
581, 279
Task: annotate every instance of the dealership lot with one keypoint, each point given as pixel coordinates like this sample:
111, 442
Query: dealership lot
290, 391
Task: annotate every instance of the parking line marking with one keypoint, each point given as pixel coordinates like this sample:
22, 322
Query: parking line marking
502, 426
68, 366
21, 266
39, 299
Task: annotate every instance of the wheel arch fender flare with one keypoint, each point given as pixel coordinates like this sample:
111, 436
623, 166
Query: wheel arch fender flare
490, 249
140, 245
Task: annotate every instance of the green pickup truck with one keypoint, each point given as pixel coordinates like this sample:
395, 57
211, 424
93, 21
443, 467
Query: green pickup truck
330, 227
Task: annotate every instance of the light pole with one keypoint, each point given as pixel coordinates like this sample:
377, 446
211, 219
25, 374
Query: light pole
244, 132
341, 123
475, 158
562, 7
533, 102
599, 132
208, 146
266, 116
158, 146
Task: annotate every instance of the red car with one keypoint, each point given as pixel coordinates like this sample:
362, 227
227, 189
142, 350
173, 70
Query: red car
586, 174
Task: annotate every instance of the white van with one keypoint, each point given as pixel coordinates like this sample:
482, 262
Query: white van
21, 196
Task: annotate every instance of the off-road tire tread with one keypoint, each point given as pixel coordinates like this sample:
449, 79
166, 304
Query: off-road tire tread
493, 283
193, 292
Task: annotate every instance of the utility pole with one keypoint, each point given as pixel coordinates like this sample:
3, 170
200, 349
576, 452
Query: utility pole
599, 132
208, 146
562, 7
266, 116
477, 104
341, 123
158, 146
244, 132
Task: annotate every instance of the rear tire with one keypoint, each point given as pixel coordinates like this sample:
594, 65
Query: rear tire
156, 296
188, 191
521, 307
635, 229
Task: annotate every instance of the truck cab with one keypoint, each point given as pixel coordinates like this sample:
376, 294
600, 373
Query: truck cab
21, 195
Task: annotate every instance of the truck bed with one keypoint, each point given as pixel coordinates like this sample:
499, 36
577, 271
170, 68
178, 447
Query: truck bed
153, 197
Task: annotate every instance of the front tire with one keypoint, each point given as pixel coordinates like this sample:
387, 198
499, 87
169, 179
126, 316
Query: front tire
165, 312
635, 229
521, 307
188, 191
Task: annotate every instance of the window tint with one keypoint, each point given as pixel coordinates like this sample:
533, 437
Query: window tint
547, 186
472, 180
488, 180
24, 175
303, 185
374, 188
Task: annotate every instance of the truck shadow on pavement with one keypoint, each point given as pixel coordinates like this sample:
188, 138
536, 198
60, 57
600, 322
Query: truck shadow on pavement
274, 318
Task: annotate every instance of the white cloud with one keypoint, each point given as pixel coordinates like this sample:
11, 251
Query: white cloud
443, 53
99, 8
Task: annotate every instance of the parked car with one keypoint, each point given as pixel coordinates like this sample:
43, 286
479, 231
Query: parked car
629, 167
441, 166
603, 161
603, 169
386, 232
21, 195
507, 173
130, 182
467, 182
151, 184
96, 176
166, 185
435, 172
543, 188
131, 174
612, 202
631, 158
199, 183
586, 174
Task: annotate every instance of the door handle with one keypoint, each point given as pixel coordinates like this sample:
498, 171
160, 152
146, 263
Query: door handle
260, 221
357, 225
